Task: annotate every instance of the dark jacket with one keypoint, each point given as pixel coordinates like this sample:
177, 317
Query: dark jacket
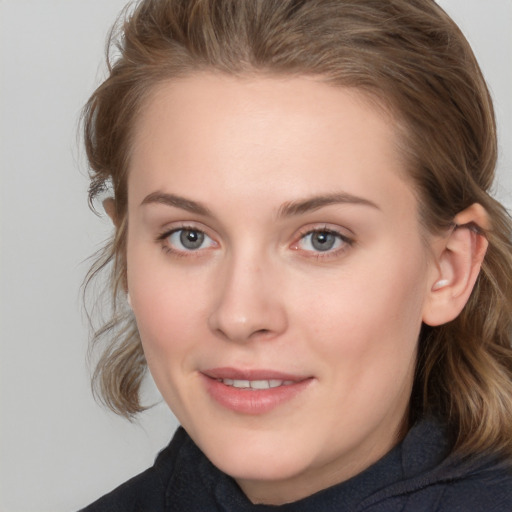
416, 476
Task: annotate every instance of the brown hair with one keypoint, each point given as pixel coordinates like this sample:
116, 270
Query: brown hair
410, 56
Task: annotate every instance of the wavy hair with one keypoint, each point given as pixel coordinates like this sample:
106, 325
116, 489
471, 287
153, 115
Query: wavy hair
408, 55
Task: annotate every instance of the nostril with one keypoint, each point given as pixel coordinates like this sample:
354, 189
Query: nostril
261, 332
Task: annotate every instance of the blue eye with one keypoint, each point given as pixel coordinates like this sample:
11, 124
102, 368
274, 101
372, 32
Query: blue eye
188, 239
322, 241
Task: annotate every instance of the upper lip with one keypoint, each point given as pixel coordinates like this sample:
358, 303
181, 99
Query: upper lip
253, 374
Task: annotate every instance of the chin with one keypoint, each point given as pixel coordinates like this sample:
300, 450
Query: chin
257, 459
261, 468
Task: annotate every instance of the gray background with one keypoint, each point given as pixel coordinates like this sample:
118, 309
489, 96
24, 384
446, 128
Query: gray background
58, 449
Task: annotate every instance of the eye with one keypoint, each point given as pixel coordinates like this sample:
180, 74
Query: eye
187, 240
322, 241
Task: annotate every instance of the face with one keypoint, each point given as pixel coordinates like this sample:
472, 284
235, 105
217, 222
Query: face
278, 274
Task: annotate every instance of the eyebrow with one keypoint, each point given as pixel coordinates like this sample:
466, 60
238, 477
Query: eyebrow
177, 202
314, 203
288, 209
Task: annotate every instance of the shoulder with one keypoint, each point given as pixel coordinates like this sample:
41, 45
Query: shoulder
476, 493
486, 488
484, 485
147, 490
477, 482
137, 494
433, 480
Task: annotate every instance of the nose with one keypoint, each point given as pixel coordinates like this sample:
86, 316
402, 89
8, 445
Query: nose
248, 304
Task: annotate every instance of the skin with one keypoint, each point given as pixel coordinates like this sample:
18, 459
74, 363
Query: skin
257, 293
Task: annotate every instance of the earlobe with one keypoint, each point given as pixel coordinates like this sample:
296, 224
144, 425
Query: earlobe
110, 209
458, 264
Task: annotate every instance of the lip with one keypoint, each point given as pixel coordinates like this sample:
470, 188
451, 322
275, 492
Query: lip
252, 401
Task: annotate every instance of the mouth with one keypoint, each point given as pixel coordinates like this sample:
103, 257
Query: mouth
252, 391
256, 384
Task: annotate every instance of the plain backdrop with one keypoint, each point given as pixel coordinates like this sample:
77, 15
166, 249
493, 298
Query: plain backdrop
59, 450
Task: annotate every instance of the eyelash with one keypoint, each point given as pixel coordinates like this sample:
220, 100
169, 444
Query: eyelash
167, 248
346, 242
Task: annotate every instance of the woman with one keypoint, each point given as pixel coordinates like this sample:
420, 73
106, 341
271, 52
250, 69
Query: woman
317, 277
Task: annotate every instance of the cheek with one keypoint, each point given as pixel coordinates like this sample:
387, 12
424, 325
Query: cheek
368, 316
167, 303
170, 331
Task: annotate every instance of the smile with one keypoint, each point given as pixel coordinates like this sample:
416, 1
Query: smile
256, 384
252, 392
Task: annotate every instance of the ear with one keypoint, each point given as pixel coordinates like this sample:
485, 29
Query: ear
109, 205
110, 208
458, 258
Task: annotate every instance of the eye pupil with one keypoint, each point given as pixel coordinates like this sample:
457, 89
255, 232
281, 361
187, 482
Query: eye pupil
323, 240
191, 239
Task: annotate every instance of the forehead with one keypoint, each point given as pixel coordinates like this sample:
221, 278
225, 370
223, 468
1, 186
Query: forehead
293, 100
297, 134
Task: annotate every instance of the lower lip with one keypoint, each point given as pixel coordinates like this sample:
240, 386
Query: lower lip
252, 401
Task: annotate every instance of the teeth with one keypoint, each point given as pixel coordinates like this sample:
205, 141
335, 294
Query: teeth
261, 384
256, 384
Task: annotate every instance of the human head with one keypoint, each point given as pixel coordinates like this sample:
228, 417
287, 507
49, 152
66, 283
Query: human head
412, 60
